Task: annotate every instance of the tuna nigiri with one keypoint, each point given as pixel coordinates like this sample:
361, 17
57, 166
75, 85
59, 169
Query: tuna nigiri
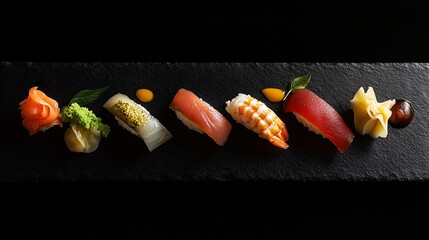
316, 114
200, 116
255, 115
137, 120
39, 112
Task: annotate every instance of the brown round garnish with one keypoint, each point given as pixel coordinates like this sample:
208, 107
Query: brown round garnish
402, 113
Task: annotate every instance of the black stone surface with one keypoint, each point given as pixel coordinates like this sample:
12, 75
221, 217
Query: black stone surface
403, 155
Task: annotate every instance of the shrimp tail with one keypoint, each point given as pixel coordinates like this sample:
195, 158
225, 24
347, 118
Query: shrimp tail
280, 138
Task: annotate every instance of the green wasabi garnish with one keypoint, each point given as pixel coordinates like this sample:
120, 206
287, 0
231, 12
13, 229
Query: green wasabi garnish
84, 117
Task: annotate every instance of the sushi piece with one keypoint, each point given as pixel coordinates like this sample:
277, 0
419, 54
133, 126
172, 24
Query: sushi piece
317, 115
137, 120
86, 129
255, 115
200, 116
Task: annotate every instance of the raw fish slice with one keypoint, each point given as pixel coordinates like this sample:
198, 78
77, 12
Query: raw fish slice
136, 119
200, 116
316, 114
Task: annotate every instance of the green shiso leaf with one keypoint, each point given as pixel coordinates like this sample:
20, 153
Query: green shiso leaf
87, 96
298, 83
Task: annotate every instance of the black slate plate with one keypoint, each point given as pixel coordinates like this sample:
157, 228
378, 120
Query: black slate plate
403, 155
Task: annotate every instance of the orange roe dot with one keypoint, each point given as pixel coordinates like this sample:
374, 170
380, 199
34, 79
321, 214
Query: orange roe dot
144, 95
273, 94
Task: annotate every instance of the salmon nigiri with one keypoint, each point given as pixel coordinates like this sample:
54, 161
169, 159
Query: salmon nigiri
200, 116
316, 114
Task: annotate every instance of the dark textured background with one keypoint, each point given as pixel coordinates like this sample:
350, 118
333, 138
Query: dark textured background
191, 156
187, 31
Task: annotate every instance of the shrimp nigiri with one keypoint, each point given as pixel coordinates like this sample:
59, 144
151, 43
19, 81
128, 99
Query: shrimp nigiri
256, 116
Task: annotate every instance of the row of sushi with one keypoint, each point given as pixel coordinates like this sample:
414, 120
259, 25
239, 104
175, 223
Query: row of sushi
40, 112
198, 115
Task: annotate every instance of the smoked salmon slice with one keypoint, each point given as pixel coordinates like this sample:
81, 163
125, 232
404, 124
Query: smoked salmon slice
39, 112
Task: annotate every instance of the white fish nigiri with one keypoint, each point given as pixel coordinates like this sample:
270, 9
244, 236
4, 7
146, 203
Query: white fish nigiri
137, 120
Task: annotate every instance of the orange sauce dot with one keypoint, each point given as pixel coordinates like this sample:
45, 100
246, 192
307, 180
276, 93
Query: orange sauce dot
273, 94
144, 95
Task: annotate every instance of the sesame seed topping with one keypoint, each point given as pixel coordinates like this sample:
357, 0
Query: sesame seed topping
131, 114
